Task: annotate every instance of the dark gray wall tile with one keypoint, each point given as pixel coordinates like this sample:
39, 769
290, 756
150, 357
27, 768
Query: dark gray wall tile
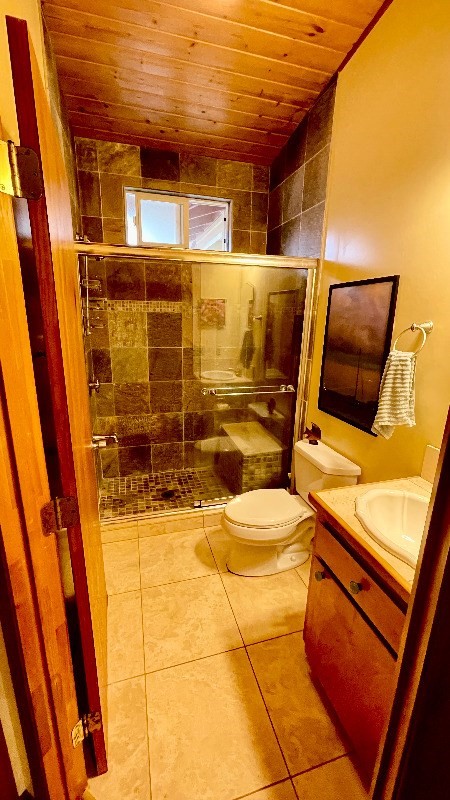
114, 231
127, 328
132, 398
320, 123
316, 174
163, 280
98, 322
89, 188
275, 207
105, 426
166, 428
260, 178
241, 210
92, 227
109, 458
188, 364
166, 396
86, 154
193, 400
164, 329
198, 169
296, 148
113, 195
310, 242
274, 242
198, 425
258, 242
160, 164
101, 365
125, 279
135, 460
104, 400
259, 211
167, 457
277, 169
129, 364
290, 237
164, 364
97, 272
241, 241
234, 175
123, 159
292, 195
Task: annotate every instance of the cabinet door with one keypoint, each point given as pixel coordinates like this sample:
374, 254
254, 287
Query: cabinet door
352, 665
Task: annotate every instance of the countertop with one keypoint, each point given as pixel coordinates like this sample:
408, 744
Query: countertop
340, 504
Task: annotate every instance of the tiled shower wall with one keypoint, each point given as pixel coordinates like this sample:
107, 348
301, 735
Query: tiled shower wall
298, 182
105, 168
142, 356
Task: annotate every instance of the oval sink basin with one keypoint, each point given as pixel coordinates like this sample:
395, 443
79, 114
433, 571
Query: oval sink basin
218, 375
395, 519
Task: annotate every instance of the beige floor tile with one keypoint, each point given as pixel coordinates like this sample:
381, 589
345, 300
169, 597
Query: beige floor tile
281, 791
121, 561
125, 638
305, 731
220, 545
212, 518
304, 571
268, 606
170, 523
175, 557
210, 736
128, 774
187, 620
336, 781
119, 532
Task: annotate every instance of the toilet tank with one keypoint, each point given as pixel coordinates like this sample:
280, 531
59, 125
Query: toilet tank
318, 467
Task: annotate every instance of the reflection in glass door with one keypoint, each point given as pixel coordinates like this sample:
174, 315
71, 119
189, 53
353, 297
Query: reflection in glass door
247, 335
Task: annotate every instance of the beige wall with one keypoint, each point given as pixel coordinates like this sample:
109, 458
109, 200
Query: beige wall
29, 10
389, 212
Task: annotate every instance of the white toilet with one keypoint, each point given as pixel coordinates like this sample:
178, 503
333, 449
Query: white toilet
270, 529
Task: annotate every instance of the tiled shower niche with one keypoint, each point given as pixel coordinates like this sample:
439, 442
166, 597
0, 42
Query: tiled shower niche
160, 332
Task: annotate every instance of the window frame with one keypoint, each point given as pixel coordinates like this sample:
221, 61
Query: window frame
179, 200
183, 201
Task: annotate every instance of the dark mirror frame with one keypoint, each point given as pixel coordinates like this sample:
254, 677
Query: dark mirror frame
340, 405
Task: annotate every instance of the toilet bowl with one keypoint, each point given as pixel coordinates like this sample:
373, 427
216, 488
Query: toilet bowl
270, 530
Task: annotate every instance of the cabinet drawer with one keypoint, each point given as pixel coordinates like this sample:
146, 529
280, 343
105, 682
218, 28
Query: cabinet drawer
380, 609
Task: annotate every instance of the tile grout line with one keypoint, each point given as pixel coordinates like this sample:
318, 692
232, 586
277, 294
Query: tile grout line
254, 674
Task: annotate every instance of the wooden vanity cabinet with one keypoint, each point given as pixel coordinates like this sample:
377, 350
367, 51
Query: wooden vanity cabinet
352, 630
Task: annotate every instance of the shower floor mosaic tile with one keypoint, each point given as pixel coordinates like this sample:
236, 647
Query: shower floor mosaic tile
161, 491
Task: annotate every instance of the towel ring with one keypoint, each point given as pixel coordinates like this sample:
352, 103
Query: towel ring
425, 328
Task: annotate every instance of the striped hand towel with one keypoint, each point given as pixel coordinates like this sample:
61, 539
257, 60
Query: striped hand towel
396, 401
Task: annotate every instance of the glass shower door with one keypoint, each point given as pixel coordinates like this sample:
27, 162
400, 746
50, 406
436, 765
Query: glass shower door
247, 335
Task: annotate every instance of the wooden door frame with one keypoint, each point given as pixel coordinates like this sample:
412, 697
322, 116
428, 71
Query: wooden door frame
424, 660
45, 221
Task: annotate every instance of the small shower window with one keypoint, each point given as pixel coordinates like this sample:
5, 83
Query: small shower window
174, 220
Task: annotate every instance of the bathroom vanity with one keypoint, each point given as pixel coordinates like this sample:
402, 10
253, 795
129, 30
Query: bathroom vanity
357, 602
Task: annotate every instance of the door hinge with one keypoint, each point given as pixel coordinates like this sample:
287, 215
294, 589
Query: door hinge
59, 513
20, 171
87, 724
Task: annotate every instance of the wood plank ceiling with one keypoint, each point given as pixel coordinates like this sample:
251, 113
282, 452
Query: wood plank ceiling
225, 78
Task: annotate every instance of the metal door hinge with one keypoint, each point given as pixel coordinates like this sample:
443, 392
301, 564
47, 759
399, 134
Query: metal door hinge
86, 725
59, 513
20, 171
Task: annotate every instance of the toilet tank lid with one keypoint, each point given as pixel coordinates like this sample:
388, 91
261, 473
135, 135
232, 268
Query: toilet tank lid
327, 460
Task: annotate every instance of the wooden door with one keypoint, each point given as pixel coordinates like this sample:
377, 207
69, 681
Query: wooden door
29, 559
7, 782
353, 667
57, 281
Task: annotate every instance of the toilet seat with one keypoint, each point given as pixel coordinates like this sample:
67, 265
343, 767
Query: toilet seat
264, 509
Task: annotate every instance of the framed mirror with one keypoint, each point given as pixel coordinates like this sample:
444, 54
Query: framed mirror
358, 335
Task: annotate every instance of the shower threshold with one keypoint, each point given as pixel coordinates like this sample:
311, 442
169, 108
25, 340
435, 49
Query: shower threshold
161, 492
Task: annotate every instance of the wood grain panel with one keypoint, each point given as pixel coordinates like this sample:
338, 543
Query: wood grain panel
154, 119
57, 271
166, 21
30, 558
77, 96
260, 57
123, 127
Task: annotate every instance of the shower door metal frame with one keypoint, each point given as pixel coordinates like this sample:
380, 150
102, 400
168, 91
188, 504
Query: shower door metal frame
101, 251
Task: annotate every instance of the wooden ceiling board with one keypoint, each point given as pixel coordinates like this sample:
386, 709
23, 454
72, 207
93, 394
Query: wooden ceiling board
234, 77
